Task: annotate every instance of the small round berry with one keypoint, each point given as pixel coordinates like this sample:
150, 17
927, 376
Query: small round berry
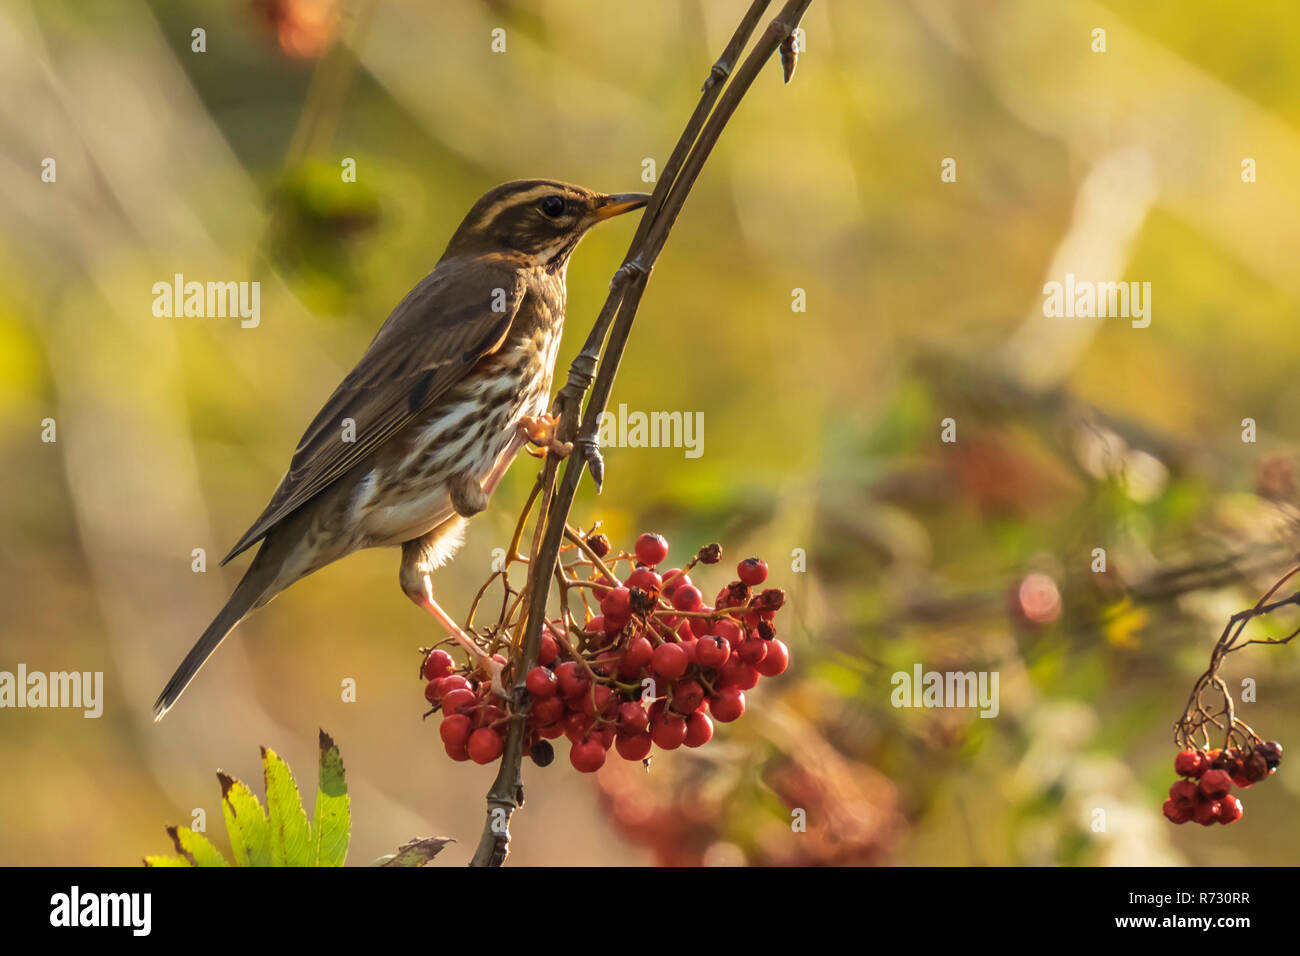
727, 704
669, 661
1177, 812
1184, 791
752, 650
1272, 753
459, 701
651, 549
776, 661
736, 673
1230, 810
709, 554
552, 730
699, 729
1207, 811
645, 579
432, 690
633, 746
1190, 763
541, 682
673, 579
548, 710
455, 730
712, 651
549, 649
573, 680
632, 718
668, 731
771, 599
1215, 784
576, 726
752, 571
616, 606
687, 597
438, 664
457, 753
587, 757
599, 544
485, 745
688, 696
490, 715
729, 631
599, 702
636, 656
542, 752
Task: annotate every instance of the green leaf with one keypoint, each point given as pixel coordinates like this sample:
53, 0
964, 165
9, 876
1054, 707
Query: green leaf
291, 841
195, 848
415, 853
250, 833
333, 815
161, 860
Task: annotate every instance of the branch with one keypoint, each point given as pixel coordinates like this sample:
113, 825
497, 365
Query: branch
717, 103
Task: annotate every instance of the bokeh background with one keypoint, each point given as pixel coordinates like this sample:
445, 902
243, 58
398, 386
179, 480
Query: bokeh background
822, 428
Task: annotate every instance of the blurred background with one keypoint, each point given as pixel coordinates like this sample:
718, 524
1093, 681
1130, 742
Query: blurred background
822, 448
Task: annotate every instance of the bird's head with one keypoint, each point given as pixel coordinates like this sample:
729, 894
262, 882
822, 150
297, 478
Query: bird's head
541, 219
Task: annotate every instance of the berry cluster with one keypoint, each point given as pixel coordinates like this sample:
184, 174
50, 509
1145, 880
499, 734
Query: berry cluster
654, 667
1209, 799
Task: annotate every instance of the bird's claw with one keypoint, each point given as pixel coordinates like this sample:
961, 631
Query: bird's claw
540, 431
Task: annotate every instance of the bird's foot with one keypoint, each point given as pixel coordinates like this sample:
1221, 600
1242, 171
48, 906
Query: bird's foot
540, 431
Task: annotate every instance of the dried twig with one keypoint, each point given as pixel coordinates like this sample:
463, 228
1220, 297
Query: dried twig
718, 102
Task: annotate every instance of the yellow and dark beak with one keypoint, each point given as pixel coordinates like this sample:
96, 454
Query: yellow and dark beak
618, 204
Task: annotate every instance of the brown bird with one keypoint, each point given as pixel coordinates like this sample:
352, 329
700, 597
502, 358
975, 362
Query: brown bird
418, 435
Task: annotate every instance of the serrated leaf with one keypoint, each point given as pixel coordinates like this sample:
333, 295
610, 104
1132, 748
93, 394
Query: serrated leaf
291, 843
415, 853
250, 832
333, 823
163, 860
195, 847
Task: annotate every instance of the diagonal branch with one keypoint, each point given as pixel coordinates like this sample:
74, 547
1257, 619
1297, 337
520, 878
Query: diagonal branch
722, 92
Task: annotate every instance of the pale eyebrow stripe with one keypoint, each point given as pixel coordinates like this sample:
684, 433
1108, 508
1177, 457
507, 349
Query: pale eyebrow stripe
518, 199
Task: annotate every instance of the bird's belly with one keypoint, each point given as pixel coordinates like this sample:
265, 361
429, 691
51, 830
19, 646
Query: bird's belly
469, 432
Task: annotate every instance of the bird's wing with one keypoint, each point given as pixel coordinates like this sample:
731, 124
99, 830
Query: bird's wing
453, 318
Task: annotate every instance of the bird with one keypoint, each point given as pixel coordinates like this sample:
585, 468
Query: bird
415, 439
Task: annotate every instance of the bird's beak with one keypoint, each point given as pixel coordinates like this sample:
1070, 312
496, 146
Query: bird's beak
618, 204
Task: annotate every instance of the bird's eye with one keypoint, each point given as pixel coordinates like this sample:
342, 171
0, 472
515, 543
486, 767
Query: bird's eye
552, 206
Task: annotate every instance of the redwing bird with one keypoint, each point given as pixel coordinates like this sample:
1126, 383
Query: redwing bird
419, 433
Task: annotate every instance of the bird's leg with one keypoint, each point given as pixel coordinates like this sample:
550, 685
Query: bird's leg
539, 430
417, 582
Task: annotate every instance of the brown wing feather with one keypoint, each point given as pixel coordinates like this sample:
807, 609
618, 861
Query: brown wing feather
432, 339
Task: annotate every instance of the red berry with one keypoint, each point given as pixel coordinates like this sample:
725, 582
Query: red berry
599, 701
636, 657
616, 606
674, 579
1230, 810
669, 661
776, 661
573, 680
438, 664
668, 731
1184, 791
459, 701
727, 704
701, 626
633, 746
1190, 763
753, 571
1207, 812
484, 745
1215, 784
431, 690
687, 597
576, 726
711, 651
699, 729
455, 730
587, 757
729, 631
688, 696
736, 673
548, 710
632, 718
549, 649
752, 650
458, 752
541, 682
645, 579
651, 549
552, 730
1178, 812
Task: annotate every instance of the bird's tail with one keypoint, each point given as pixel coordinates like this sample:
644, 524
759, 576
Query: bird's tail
252, 592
